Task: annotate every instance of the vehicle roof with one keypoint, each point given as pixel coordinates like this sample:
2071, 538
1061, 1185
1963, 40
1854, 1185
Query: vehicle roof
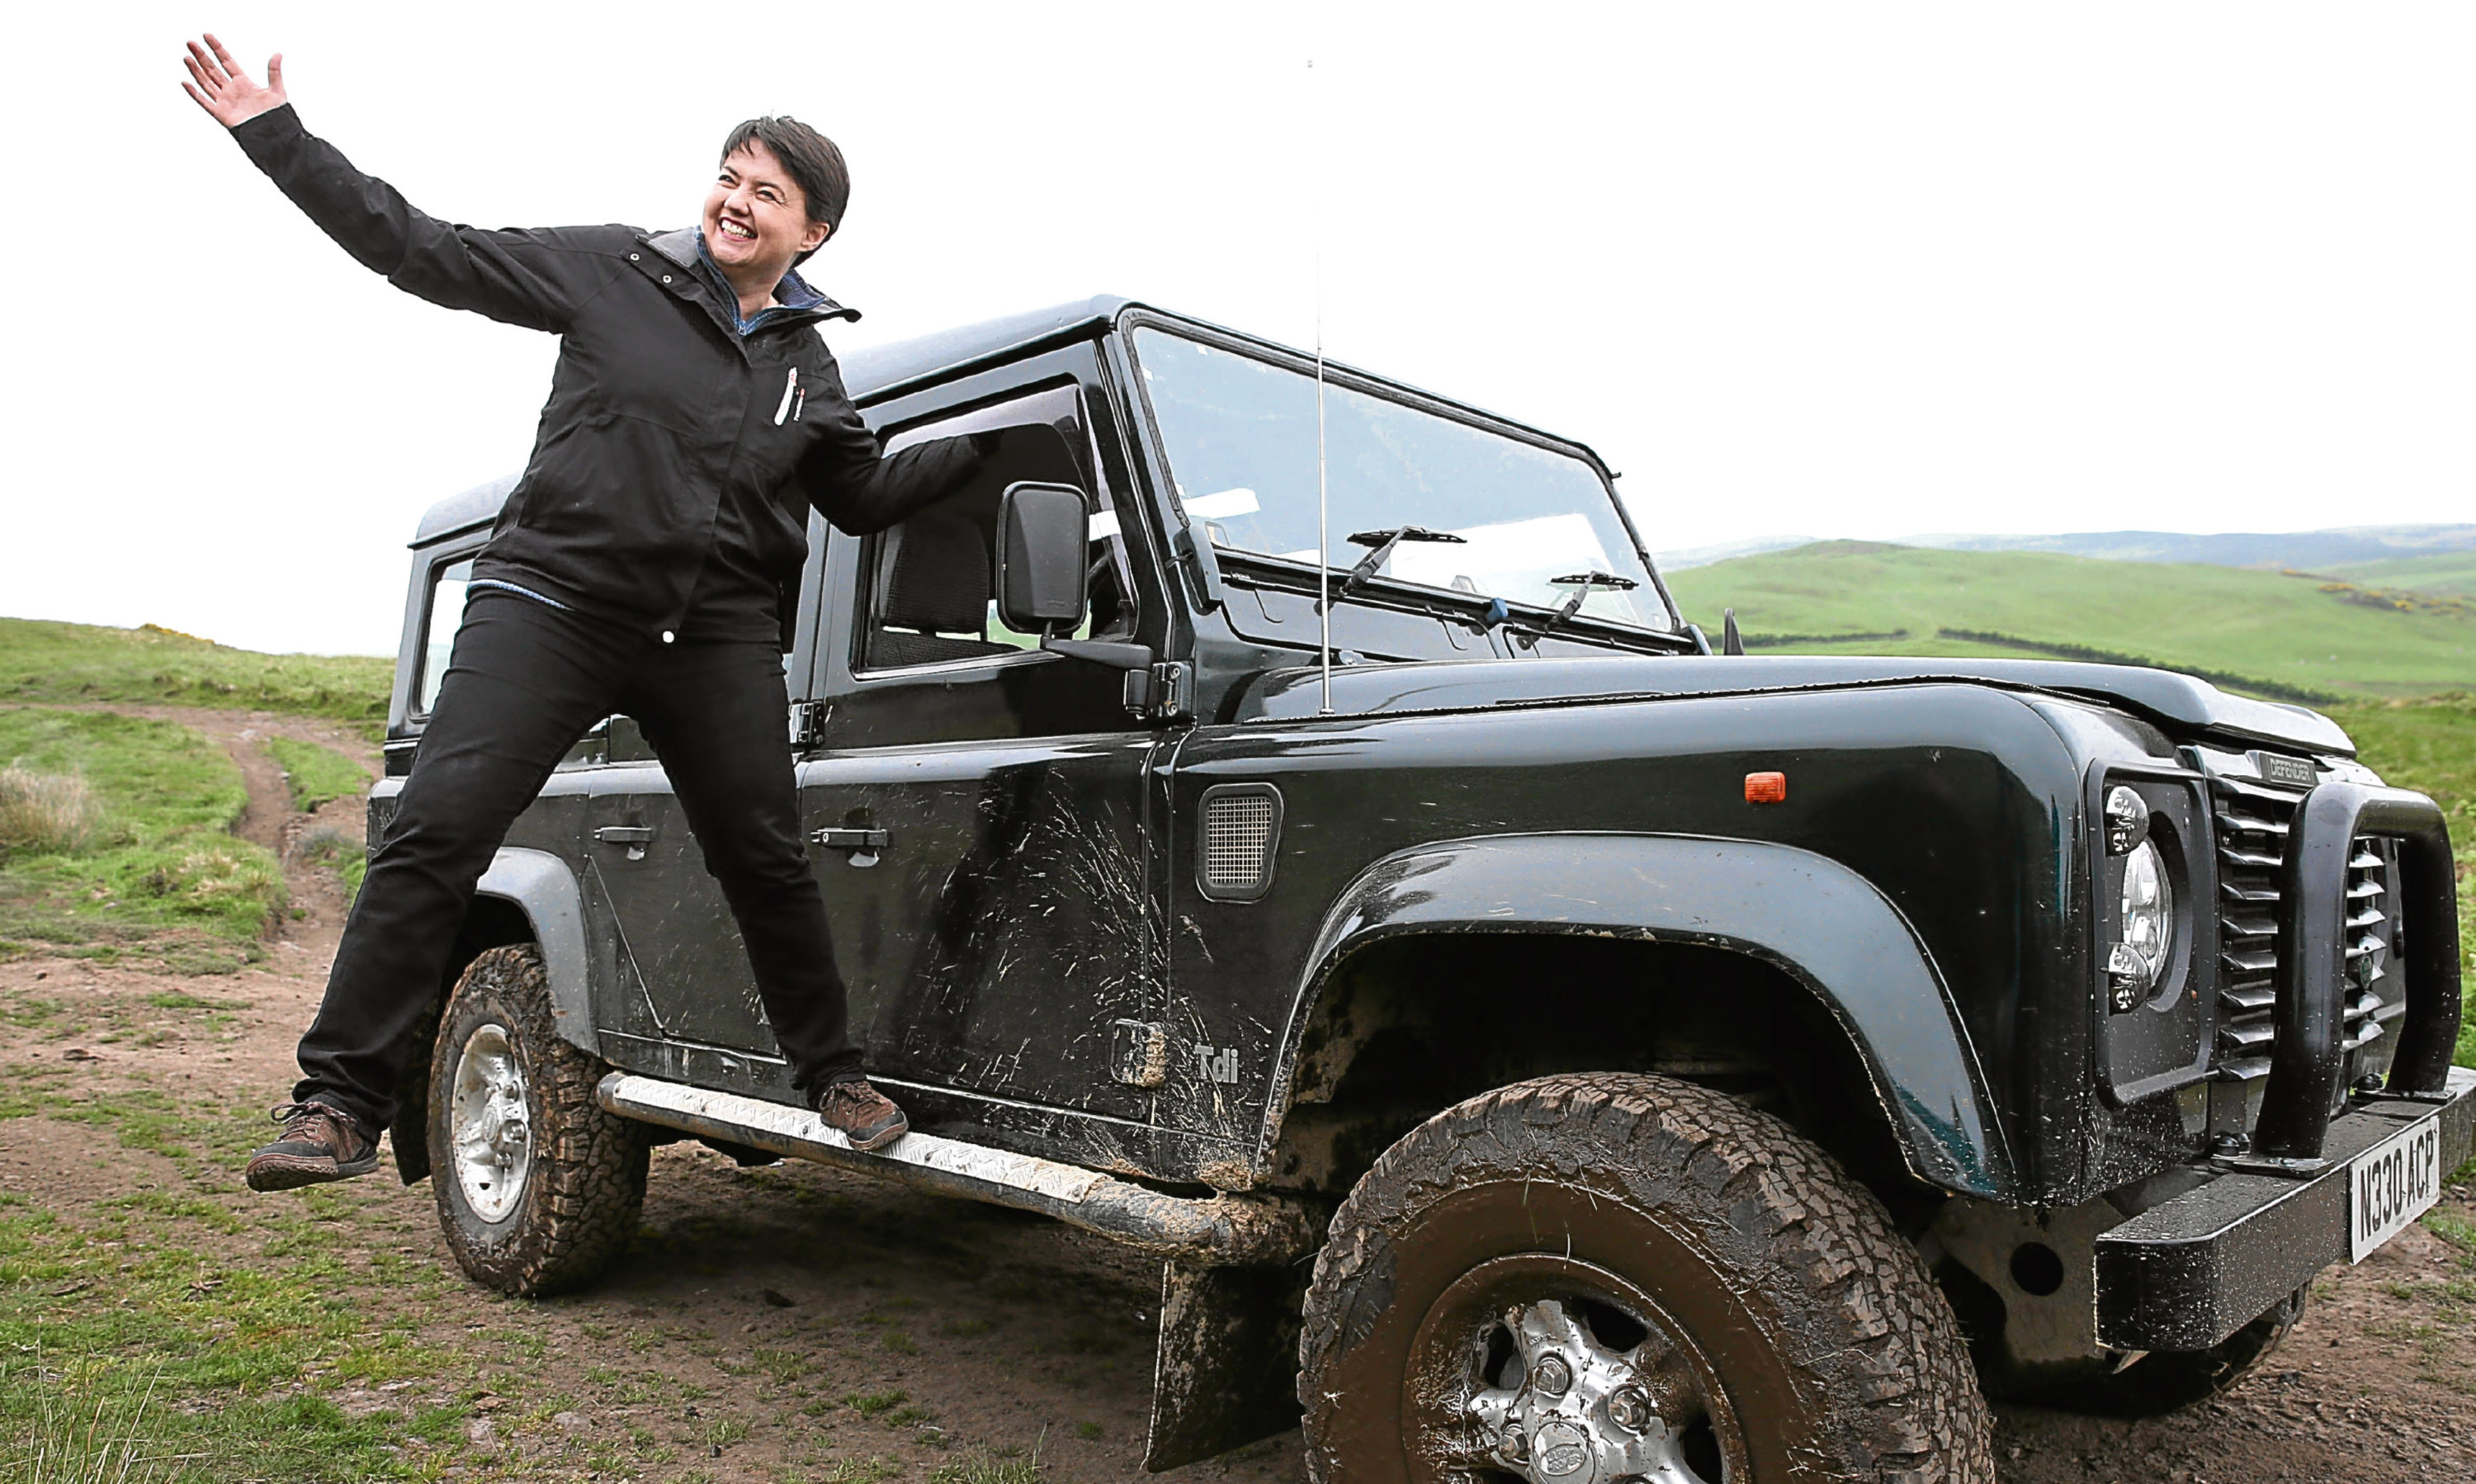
475, 506
874, 371
866, 372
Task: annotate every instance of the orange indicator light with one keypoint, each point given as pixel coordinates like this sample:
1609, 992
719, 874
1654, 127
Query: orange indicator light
1765, 787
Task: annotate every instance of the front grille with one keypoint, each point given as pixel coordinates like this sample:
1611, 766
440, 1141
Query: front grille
2252, 833
2375, 993
2252, 844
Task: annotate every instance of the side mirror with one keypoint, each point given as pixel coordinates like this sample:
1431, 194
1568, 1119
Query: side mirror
1043, 535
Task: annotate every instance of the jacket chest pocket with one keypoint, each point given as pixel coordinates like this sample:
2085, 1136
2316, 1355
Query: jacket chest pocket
778, 422
779, 394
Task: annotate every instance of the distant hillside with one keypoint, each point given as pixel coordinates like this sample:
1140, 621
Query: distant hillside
1703, 555
2316, 551
2451, 572
2289, 638
41, 661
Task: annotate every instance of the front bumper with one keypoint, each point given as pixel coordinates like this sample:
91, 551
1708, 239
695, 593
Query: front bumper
2187, 1273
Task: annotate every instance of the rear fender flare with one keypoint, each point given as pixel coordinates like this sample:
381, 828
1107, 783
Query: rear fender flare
541, 886
1823, 924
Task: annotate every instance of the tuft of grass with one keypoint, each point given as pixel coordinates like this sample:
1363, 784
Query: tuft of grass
70, 1426
46, 813
338, 851
317, 774
41, 660
876, 1405
991, 1468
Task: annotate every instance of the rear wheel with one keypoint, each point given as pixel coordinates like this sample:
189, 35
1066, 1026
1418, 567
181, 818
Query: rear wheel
536, 1186
1592, 1278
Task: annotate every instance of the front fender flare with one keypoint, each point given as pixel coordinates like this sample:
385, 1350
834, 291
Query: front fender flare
1815, 919
541, 886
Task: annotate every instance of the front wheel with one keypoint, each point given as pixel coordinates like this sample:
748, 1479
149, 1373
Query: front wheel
536, 1186
1592, 1278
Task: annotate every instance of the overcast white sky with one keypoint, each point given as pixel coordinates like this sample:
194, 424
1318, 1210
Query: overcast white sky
1831, 270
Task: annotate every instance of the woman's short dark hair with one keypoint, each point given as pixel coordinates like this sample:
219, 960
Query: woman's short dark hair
810, 157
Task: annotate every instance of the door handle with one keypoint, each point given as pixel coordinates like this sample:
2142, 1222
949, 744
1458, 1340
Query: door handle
863, 844
634, 836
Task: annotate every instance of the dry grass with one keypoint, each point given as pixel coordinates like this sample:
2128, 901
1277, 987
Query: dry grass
47, 813
78, 1432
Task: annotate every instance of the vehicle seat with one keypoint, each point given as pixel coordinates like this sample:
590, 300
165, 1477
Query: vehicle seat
937, 586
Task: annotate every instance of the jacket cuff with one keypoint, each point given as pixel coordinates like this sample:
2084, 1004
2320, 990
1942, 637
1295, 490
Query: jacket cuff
259, 137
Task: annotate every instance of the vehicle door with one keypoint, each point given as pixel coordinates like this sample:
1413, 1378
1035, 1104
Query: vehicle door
671, 967
980, 808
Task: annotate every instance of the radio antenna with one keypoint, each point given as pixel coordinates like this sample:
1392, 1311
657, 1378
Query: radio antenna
1324, 508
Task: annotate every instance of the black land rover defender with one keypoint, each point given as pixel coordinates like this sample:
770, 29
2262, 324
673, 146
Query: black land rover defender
1540, 1047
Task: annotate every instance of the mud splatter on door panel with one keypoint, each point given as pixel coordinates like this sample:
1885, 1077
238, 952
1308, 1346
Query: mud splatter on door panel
1008, 924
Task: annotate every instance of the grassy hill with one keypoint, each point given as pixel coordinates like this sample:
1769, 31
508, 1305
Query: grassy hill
2290, 637
2446, 572
45, 661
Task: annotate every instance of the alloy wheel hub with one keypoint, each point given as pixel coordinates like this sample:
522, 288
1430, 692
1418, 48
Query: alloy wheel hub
490, 1123
1565, 1408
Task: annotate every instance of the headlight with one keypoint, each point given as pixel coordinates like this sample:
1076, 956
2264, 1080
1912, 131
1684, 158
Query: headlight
2137, 961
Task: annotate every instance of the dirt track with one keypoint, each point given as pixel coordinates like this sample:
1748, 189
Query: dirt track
763, 1320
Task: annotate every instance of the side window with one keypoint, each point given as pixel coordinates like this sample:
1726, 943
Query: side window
930, 589
446, 612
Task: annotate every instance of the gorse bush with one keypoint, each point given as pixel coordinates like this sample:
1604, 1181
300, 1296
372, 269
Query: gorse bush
47, 813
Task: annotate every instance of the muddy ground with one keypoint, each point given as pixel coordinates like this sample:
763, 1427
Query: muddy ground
793, 1322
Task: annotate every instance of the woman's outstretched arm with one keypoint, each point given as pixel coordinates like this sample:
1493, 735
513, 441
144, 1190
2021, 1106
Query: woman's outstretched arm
531, 278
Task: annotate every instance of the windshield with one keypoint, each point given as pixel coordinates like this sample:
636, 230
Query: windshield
1241, 436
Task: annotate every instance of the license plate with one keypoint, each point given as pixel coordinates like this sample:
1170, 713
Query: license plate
2391, 1184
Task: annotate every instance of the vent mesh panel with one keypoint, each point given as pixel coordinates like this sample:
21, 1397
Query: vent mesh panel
1237, 842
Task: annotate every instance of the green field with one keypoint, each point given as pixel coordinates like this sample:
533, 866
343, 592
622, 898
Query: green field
134, 855
316, 773
2449, 572
73, 662
2430, 746
2289, 637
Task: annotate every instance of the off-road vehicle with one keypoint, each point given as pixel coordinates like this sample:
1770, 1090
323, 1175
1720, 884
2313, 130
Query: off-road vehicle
1540, 1047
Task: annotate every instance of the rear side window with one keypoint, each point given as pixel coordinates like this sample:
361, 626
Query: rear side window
444, 614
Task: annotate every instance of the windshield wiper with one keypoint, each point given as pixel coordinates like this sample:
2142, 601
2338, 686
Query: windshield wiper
1583, 583
1383, 542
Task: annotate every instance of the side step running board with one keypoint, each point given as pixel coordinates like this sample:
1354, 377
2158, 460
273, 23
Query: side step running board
1229, 1229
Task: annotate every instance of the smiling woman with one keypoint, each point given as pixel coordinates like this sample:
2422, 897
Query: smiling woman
695, 421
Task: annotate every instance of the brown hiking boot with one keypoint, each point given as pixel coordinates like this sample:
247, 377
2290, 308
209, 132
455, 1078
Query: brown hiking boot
861, 1114
319, 1144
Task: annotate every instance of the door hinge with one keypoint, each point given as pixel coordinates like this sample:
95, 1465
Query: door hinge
1163, 693
808, 723
1139, 1052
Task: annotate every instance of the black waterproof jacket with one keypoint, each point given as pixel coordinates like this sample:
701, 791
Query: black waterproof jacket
675, 461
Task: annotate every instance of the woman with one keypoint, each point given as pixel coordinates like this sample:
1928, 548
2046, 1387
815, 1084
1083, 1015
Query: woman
638, 568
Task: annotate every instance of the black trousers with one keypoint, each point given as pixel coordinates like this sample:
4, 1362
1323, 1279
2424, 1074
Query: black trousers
524, 681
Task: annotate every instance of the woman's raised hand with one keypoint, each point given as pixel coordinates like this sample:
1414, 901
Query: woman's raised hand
223, 89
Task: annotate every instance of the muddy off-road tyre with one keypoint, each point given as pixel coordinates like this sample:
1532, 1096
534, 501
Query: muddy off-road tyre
537, 1187
1587, 1278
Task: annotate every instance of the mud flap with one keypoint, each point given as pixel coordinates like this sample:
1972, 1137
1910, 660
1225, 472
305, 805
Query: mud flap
1227, 1370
